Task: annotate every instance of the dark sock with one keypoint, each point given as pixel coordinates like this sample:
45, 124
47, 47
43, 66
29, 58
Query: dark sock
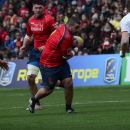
38, 102
34, 100
68, 106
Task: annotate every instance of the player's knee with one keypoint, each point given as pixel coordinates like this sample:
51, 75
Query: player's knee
69, 83
40, 82
31, 78
49, 91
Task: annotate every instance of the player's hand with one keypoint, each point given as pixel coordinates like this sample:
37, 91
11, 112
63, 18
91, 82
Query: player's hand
22, 49
122, 54
4, 65
41, 48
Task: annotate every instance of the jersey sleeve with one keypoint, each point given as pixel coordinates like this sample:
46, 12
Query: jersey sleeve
29, 32
124, 26
52, 24
65, 49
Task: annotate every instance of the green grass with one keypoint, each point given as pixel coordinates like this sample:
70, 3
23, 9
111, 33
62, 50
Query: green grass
100, 108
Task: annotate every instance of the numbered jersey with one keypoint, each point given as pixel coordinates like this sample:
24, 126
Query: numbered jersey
58, 46
41, 28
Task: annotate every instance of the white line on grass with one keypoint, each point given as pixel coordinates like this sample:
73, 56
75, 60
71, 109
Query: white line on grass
76, 103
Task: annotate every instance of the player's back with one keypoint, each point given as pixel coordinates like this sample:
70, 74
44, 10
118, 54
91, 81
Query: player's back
41, 28
52, 53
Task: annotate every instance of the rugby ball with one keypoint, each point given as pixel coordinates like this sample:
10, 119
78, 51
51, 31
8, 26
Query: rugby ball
79, 39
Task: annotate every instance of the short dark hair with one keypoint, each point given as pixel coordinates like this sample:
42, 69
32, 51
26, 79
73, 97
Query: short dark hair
128, 5
73, 20
38, 2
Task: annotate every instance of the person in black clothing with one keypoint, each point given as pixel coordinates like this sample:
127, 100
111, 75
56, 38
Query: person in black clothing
97, 29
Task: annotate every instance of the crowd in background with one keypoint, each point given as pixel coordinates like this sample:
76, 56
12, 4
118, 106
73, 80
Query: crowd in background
100, 24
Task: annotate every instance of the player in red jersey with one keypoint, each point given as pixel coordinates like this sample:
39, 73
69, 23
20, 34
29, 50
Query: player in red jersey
40, 26
54, 65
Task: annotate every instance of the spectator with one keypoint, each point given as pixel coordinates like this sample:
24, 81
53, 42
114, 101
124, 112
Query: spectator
6, 4
74, 6
97, 28
80, 12
19, 40
80, 53
23, 29
84, 37
94, 13
100, 3
99, 50
2, 33
16, 51
29, 5
116, 21
106, 31
13, 17
3, 51
51, 9
58, 11
61, 19
102, 20
88, 5
23, 8
12, 31
109, 4
25, 56
4, 11
85, 19
9, 43
68, 14
86, 28
26, 16
1, 15
92, 43
107, 48
105, 12
16, 5
5, 57
20, 21
7, 25
12, 57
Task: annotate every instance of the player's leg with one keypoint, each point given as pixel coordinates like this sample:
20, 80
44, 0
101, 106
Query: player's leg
68, 86
49, 77
33, 70
58, 84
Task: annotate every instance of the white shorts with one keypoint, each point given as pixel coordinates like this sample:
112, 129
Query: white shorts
34, 70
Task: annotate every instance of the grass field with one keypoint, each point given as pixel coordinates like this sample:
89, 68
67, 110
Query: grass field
100, 108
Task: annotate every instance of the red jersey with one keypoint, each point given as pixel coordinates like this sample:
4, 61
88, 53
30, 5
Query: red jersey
59, 45
41, 28
2, 35
22, 11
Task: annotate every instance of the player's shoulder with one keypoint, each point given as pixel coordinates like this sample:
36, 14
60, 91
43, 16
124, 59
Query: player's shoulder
31, 19
125, 19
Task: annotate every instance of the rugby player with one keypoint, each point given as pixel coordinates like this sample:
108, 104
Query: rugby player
40, 25
125, 30
54, 65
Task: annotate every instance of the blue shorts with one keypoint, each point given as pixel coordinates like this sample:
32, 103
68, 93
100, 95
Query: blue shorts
34, 57
51, 75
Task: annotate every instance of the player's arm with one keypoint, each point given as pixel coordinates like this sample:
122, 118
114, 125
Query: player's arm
125, 37
4, 65
52, 24
67, 51
124, 43
27, 39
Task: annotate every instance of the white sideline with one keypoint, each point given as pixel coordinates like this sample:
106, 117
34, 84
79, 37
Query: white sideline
76, 103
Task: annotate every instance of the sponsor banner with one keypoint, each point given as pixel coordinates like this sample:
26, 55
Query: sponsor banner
16, 76
95, 70
92, 70
125, 72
